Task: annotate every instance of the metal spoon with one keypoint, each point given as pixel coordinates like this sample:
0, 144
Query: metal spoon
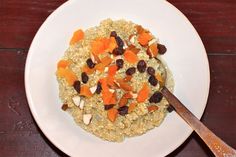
216, 145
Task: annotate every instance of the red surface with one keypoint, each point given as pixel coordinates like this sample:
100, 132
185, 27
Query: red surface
215, 20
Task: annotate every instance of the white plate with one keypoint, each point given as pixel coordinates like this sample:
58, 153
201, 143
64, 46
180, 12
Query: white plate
186, 58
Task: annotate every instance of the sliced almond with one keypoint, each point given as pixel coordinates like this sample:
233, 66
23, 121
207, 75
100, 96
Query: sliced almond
154, 40
93, 59
132, 39
76, 100
118, 57
135, 95
81, 105
106, 69
87, 118
112, 90
93, 89
125, 45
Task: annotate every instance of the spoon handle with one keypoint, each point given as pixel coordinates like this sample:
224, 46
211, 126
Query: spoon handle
217, 146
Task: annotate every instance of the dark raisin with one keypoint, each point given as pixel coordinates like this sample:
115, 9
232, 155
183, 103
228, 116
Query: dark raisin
141, 66
108, 107
130, 71
151, 71
123, 110
84, 77
156, 97
113, 34
161, 49
64, 107
76, 86
119, 42
119, 63
99, 88
90, 63
118, 51
152, 80
170, 108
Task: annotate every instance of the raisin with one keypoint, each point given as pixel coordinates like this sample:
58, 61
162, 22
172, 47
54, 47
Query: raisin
76, 86
118, 51
151, 71
90, 63
123, 110
113, 34
156, 97
119, 42
152, 80
130, 71
161, 49
99, 88
170, 108
108, 107
85, 77
119, 63
141, 66
64, 107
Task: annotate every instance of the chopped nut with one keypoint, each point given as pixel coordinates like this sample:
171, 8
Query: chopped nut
106, 69
93, 59
87, 118
76, 100
112, 90
154, 40
132, 38
135, 95
81, 105
93, 89
64, 107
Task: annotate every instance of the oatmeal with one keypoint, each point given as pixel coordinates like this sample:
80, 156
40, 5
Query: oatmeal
110, 79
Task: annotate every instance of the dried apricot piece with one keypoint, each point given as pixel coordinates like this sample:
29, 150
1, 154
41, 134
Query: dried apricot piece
68, 75
112, 70
112, 114
77, 36
143, 93
132, 107
86, 69
144, 38
153, 49
128, 95
127, 78
130, 56
85, 91
124, 85
112, 44
152, 108
123, 101
97, 46
63, 64
106, 96
100, 67
113, 99
106, 61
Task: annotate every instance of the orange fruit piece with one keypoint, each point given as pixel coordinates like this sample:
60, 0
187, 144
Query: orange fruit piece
63, 64
106, 61
153, 49
77, 36
98, 46
123, 101
143, 93
106, 96
112, 44
68, 75
144, 38
110, 80
130, 56
112, 70
152, 108
127, 78
132, 107
113, 98
85, 91
100, 67
112, 114
124, 85
86, 69
128, 95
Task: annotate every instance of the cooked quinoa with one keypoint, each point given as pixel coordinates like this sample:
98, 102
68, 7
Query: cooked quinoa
114, 122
